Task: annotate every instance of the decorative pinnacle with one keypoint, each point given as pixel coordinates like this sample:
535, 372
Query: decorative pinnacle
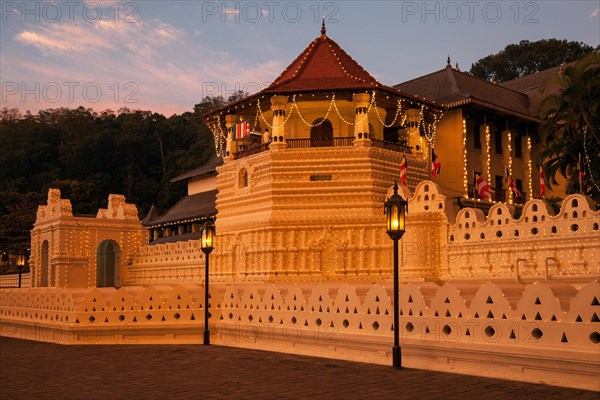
449, 60
395, 186
323, 30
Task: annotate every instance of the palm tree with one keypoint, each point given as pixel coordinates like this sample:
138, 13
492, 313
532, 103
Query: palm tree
571, 120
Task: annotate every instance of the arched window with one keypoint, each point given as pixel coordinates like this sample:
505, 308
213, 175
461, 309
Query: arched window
321, 134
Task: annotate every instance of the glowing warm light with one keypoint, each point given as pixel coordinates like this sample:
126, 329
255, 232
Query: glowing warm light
529, 170
395, 213
465, 171
207, 233
488, 174
509, 140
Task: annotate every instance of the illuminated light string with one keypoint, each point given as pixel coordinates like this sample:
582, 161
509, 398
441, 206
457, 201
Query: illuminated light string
488, 158
529, 168
587, 158
510, 192
465, 172
398, 111
429, 129
371, 103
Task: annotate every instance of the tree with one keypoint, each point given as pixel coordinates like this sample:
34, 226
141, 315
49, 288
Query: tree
517, 60
89, 154
571, 119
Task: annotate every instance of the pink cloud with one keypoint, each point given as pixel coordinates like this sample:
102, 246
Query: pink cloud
168, 69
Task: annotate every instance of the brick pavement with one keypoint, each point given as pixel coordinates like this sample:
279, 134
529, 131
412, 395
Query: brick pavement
34, 370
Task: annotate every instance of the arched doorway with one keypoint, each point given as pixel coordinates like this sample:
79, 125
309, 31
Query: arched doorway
108, 264
44, 264
321, 134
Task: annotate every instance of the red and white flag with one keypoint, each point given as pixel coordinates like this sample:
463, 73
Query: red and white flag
403, 168
511, 184
581, 173
436, 163
542, 184
483, 188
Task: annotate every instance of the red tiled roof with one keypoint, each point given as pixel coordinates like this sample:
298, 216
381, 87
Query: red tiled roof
199, 205
323, 65
207, 168
453, 88
531, 85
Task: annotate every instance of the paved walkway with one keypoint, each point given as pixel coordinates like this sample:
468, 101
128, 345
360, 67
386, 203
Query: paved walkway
32, 370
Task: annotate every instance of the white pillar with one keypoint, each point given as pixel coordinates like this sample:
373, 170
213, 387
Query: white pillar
361, 118
278, 135
231, 149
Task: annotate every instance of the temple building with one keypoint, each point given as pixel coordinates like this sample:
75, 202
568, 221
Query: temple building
487, 130
301, 259
305, 201
182, 221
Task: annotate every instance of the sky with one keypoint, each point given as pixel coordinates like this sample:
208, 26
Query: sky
166, 56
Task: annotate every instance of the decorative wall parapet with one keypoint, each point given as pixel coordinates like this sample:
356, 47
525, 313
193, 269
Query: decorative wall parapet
538, 245
55, 207
550, 327
118, 208
12, 280
168, 263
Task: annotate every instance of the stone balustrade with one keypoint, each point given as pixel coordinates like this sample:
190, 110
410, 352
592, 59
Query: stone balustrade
549, 331
12, 280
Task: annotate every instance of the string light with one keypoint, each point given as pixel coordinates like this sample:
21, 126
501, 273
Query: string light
465, 172
509, 139
587, 158
529, 170
488, 160
429, 128
398, 111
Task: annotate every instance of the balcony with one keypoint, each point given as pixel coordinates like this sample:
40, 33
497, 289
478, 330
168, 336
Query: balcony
320, 142
251, 150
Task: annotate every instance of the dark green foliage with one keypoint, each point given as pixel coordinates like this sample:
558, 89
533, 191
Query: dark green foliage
571, 118
88, 155
517, 60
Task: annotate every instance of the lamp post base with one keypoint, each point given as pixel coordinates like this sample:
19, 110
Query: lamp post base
206, 337
396, 357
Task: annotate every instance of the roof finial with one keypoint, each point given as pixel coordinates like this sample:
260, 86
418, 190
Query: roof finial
561, 70
323, 31
456, 68
449, 62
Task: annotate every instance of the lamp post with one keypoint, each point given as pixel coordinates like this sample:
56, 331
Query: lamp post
20, 266
395, 214
207, 235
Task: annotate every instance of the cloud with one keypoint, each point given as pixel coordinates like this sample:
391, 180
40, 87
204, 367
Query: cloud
59, 38
70, 37
595, 13
169, 68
